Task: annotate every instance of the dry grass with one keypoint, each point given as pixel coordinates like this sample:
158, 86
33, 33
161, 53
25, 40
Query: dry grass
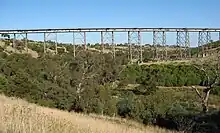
10, 49
18, 116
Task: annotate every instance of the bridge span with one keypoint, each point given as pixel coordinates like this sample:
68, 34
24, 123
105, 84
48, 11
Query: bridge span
134, 37
65, 30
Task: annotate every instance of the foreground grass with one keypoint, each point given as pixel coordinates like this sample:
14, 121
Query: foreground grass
18, 116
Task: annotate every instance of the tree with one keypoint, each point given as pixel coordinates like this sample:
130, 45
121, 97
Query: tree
6, 35
210, 84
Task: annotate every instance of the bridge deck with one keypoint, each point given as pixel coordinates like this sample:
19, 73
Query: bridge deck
66, 30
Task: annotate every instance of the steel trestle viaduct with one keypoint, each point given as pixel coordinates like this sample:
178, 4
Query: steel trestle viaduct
133, 37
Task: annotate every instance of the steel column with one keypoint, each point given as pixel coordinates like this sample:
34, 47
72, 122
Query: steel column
155, 45
187, 45
26, 42
209, 46
80, 39
208, 36
219, 36
164, 54
45, 42
203, 39
113, 44
107, 38
200, 44
183, 44
56, 44
159, 39
179, 44
218, 53
74, 46
102, 41
14, 39
208, 43
130, 47
84, 33
134, 39
140, 45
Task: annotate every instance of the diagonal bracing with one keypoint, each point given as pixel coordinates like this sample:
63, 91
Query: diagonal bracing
183, 44
107, 39
204, 38
159, 44
135, 46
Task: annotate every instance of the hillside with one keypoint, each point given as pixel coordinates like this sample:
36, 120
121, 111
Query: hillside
96, 83
18, 116
8, 49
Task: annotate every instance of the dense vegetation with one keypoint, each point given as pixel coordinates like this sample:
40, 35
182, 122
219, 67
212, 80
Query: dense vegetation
97, 83
164, 75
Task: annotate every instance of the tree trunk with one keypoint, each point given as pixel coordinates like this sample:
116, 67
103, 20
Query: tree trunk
205, 100
205, 107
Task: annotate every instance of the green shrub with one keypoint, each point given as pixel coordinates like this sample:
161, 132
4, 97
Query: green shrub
3, 83
216, 91
163, 75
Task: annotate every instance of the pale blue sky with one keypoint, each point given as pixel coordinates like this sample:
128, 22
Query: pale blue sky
24, 14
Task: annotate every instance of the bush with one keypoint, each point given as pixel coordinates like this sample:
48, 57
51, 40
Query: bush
124, 108
216, 91
3, 83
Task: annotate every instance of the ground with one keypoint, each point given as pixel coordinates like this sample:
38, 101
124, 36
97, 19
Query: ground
20, 116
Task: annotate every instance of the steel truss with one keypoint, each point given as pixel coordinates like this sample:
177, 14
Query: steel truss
135, 46
218, 52
50, 37
183, 44
79, 38
159, 39
204, 38
107, 39
219, 36
24, 38
134, 39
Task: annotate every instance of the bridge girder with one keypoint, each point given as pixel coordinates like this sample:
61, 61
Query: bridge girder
66, 30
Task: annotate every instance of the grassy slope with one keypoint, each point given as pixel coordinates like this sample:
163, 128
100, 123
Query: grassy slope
19, 116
